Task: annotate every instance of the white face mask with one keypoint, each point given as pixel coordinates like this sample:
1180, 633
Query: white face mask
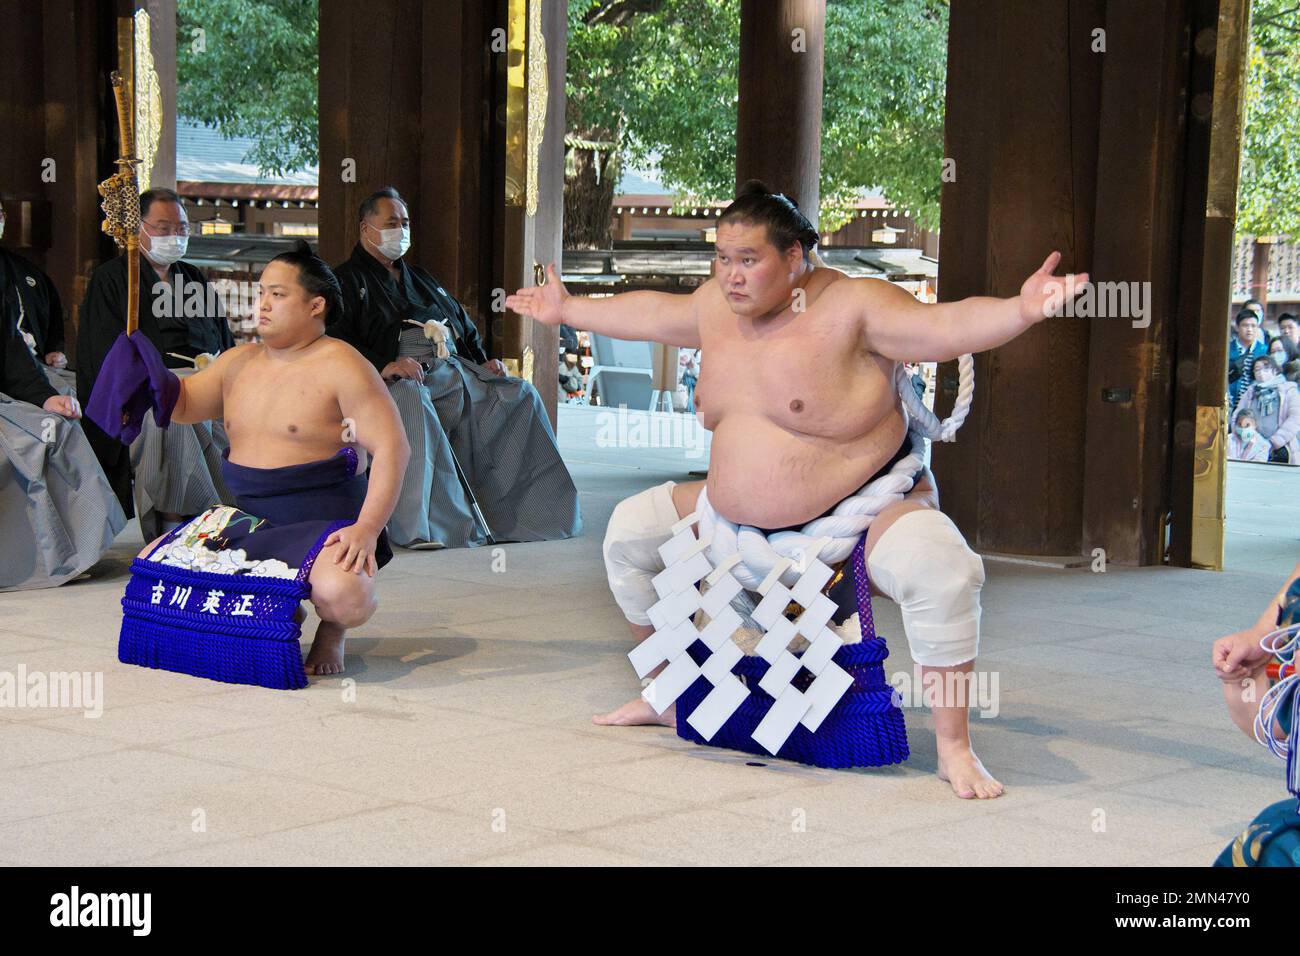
393, 243
164, 250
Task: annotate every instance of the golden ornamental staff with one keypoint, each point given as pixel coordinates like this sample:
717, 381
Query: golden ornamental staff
121, 203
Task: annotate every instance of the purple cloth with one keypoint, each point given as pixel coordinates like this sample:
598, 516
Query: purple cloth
132, 380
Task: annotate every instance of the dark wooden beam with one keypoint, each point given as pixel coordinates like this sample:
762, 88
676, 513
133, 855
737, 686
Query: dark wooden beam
1021, 127
779, 114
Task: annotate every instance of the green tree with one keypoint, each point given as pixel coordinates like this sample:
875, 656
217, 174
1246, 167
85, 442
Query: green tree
883, 110
657, 80
248, 68
1268, 200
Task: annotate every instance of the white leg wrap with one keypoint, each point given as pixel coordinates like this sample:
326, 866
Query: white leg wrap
638, 526
923, 563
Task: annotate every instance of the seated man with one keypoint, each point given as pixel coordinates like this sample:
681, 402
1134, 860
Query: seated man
32, 306
293, 405
799, 391
177, 471
1274, 403
477, 436
57, 512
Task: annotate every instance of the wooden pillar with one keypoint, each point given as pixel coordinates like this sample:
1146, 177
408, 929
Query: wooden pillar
1197, 485
1021, 126
371, 121
779, 113
1085, 126
60, 136
1140, 174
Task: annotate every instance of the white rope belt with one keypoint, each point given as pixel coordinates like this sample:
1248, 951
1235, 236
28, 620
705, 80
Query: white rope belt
831, 538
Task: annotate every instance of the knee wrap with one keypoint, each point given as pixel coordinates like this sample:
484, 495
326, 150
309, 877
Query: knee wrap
638, 526
924, 564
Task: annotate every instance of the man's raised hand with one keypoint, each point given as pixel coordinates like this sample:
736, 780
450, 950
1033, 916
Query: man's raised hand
545, 303
1044, 294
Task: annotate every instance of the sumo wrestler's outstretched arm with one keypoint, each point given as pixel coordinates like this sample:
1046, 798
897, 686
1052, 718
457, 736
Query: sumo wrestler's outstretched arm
371, 416
899, 327
200, 398
665, 317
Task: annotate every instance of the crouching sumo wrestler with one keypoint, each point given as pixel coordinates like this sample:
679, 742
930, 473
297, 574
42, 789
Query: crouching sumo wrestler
303, 412
798, 387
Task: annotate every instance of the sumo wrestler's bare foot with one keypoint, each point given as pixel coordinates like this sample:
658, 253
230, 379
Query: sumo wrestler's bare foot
963, 771
326, 654
637, 713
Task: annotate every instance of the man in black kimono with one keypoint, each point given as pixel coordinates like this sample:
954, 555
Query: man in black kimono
31, 306
57, 513
177, 471
459, 408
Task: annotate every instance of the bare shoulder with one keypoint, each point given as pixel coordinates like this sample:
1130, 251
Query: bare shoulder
232, 360
347, 364
866, 292
708, 295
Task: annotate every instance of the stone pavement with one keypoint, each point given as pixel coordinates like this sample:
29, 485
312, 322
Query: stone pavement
461, 732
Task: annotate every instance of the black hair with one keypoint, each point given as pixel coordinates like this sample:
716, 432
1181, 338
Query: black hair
159, 194
757, 205
1245, 314
1244, 413
314, 276
1265, 358
1287, 317
371, 202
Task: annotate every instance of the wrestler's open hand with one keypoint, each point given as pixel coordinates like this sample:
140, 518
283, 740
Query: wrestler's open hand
1238, 655
64, 405
356, 551
545, 303
1044, 294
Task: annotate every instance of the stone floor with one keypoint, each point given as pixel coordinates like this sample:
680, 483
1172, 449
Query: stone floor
461, 732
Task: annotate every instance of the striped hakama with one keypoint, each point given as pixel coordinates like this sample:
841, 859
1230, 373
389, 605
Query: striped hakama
57, 513
177, 471
497, 429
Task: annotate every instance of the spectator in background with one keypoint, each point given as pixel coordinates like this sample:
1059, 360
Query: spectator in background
168, 475
30, 304
1244, 347
571, 376
1254, 305
1275, 404
569, 340
690, 362
1289, 335
1245, 443
1277, 351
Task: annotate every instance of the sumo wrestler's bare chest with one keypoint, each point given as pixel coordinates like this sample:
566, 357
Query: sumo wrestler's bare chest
806, 373
266, 401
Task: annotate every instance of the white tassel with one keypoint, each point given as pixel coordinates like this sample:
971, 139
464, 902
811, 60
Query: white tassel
437, 333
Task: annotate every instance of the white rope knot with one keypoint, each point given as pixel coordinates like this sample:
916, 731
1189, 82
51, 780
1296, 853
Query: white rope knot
761, 554
436, 332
